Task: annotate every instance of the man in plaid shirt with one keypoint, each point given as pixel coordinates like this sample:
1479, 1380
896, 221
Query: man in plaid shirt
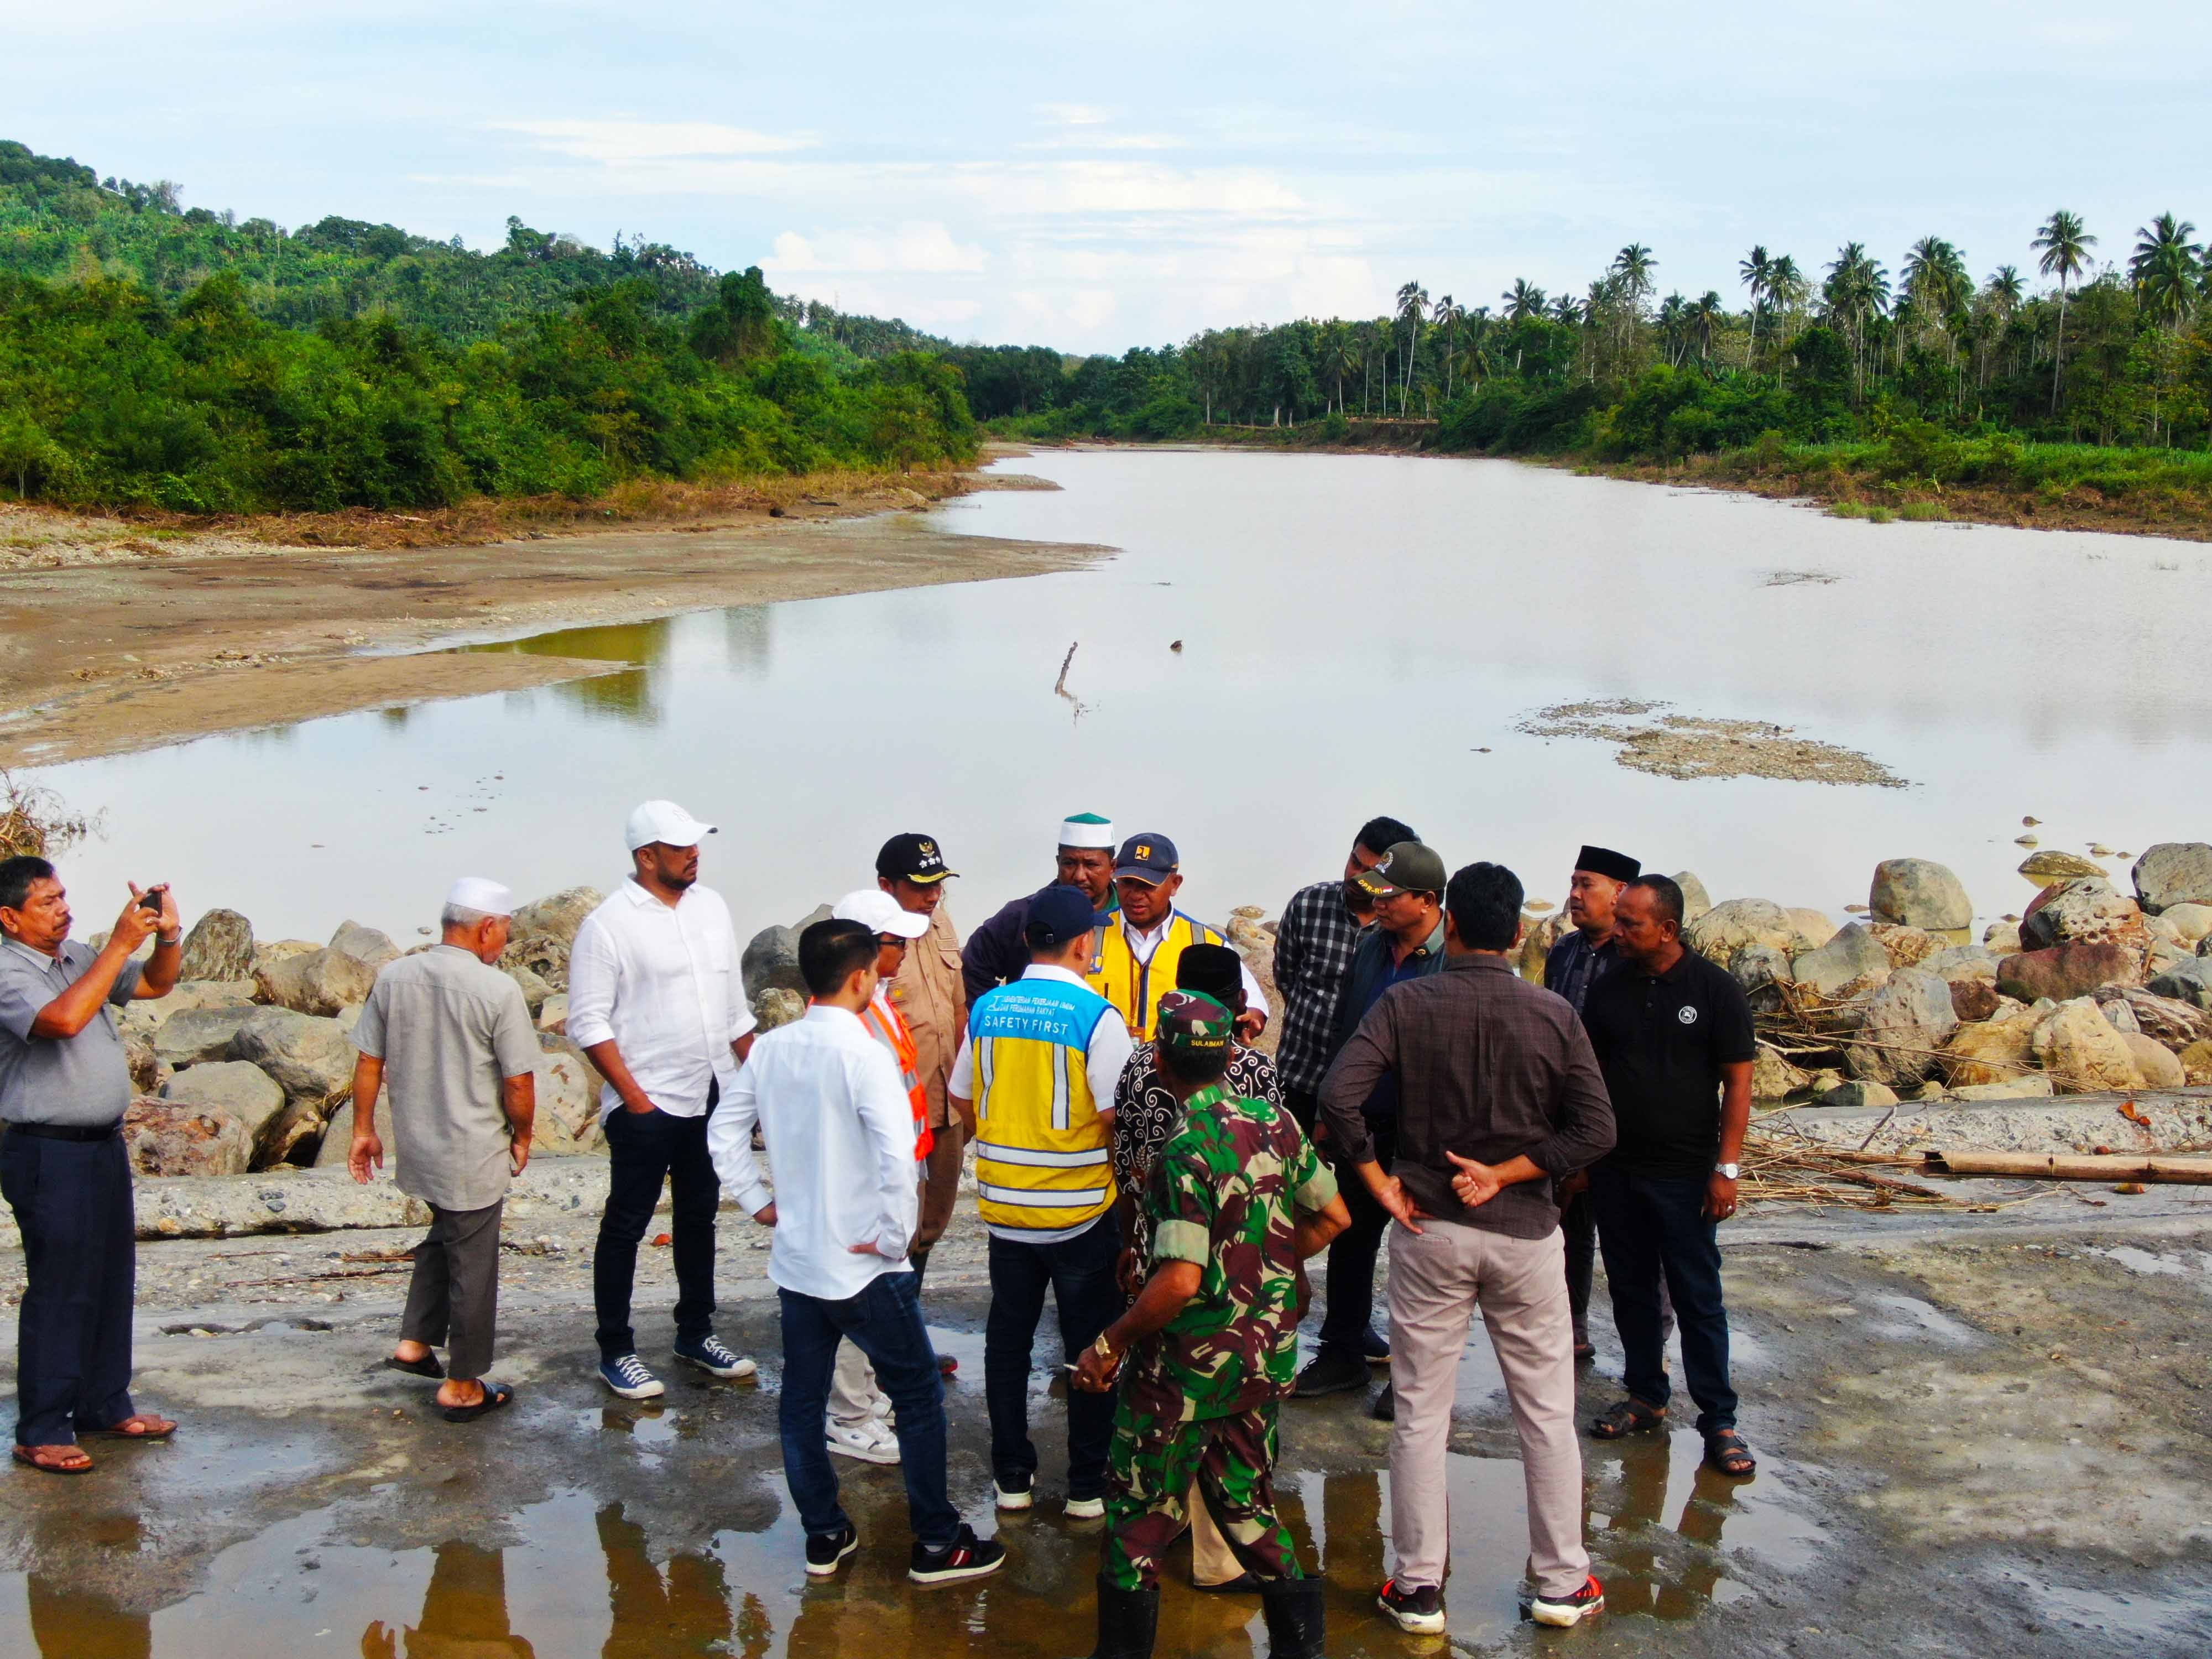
1312, 957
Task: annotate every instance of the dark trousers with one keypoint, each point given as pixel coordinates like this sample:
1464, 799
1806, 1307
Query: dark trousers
1655, 1231
1079, 1272
643, 1149
452, 1301
1304, 1106
72, 1201
1352, 1253
883, 1322
1578, 1228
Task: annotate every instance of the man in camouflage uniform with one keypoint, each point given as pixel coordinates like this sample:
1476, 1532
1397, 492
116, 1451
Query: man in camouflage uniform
1237, 1201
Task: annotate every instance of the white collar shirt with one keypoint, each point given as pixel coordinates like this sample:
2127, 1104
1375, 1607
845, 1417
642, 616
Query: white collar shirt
1143, 942
839, 1130
662, 982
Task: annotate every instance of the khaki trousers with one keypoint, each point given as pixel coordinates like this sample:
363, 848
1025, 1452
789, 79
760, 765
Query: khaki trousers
1438, 1278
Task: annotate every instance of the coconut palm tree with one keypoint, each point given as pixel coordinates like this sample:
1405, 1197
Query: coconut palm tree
1338, 355
2064, 246
1755, 271
1523, 300
2167, 270
1705, 315
1447, 316
1413, 305
1857, 291
2005, 291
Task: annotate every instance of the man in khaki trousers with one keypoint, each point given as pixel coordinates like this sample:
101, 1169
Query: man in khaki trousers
1499, 1093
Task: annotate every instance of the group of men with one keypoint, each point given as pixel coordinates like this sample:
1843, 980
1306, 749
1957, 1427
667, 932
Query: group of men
1134, 1154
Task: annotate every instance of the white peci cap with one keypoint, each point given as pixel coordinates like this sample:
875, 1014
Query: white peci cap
478, 894
1087, 829
877, 910
665, 821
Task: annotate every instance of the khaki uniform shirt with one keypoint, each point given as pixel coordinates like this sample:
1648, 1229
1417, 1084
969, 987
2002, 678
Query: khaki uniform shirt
929, 993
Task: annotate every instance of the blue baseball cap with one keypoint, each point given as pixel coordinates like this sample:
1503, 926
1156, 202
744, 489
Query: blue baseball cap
1150, 859
1057, 916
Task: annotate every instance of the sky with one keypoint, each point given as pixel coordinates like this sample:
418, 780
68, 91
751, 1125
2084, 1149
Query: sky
1098, 177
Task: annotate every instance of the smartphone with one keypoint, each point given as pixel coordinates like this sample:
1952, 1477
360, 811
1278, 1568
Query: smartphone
151, 899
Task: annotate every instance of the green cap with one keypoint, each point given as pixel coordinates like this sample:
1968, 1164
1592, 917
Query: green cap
1192, 1022
1408, 868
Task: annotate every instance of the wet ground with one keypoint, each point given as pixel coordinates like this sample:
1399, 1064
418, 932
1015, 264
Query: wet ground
1983, 1436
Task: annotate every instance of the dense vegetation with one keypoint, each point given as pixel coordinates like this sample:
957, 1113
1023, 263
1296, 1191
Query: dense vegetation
1938, 374
179, 360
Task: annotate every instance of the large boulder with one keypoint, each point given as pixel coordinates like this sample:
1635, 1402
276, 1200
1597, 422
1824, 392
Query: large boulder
248, 1094
1860, 1095
1695, 900
777, 1006
198, 1035
2174, 872
1960, 962
150, 1013
1762, 970
2028, 1085
2045, 867
557, 915
1815, 927
1974, 999
2174, 1023
1907, 1022
219, 946
1849, 963
1773, 1077
2081, 1051
1726, 929
536, 993
364, 944
2189, 981
1905, 947
1538, 935
568, 1088
2002, 937
148, 1069
2191, 923
541, 956
1996, 1050
2154, 1062
269, 952
2196, 1064
319, 981
771, 960
1919, 893
2062, 972
553, 1013
338, 1135
310, 1060
2084, 912
166, 1138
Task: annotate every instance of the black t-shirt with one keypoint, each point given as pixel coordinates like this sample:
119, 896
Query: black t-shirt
1661, 1040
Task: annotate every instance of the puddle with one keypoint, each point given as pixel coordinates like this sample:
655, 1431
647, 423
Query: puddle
2190, 1264
1909, 1318
2119, 1623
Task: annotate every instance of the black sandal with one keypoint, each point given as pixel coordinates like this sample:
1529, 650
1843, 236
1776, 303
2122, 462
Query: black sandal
1726, 1453
427, 1366
1625, 1417
495, 1395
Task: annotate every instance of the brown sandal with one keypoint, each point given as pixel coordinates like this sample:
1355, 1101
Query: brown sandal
55, 1459
148, 1427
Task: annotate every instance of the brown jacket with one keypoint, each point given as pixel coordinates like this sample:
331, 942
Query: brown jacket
928, 992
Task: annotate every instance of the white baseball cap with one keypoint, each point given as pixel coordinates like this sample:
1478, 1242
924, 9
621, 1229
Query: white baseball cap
878, 912
665, 821
477, 893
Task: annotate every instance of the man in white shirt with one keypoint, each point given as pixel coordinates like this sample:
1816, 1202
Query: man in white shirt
656, 1001
839, 1126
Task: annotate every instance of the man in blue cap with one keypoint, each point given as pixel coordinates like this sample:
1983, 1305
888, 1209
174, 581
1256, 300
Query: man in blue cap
1134, 965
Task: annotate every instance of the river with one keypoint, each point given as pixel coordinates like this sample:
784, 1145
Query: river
1358, 634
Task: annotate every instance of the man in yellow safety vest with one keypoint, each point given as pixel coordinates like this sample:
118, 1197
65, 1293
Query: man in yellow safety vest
1134, 955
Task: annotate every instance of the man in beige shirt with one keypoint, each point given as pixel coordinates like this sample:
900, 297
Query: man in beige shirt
928, 991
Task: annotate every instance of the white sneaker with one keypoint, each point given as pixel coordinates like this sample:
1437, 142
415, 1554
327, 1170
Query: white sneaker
1085, 1509
880, 1408
864, 1441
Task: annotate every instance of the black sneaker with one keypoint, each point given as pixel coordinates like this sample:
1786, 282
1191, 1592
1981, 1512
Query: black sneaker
1332, 1371
826, 1553
1420, 1611
1385, 1407
966, 1557
1375, 1347
1565, 1611
1013, 1492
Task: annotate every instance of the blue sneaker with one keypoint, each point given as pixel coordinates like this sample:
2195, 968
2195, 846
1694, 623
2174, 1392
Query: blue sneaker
711, 1356
628, 1376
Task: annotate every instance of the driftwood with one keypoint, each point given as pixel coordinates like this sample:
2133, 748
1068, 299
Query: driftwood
2070, 1166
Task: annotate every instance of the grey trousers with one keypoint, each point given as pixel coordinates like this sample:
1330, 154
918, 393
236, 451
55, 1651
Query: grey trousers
452, 1301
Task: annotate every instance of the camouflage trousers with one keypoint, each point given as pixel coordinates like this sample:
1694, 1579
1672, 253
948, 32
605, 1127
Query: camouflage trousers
1157, 1461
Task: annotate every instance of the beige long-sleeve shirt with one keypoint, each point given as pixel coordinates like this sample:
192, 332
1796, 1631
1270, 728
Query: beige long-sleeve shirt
929, 993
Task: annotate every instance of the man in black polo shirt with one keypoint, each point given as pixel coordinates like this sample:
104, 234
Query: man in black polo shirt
1674, 1037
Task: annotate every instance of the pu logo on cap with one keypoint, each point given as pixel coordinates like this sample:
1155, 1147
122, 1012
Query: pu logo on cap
1687, 1016
1144, 849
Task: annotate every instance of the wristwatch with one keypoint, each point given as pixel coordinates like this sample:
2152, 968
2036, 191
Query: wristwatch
1104, 1348
1733, 1171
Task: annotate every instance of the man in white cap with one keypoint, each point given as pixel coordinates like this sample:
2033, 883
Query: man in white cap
858, 1407
447, 1037
996, 953
656, 1003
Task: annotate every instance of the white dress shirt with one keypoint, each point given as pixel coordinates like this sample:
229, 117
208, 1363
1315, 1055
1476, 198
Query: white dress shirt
662, 980
840, 1135
1109, 1051
1142, 945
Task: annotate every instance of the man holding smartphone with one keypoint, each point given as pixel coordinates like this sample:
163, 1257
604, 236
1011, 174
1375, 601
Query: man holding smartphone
64, 1086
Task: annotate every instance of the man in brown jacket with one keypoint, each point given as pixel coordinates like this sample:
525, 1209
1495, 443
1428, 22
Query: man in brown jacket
929, 993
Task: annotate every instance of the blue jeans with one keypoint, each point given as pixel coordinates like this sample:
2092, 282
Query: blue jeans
1655, 1227
1079, 1272
884, 1322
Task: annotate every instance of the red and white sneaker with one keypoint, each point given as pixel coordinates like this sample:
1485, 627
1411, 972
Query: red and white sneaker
1565, 1610
1418, 1610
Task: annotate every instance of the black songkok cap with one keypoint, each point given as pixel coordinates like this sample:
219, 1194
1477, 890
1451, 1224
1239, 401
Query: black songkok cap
1604, 861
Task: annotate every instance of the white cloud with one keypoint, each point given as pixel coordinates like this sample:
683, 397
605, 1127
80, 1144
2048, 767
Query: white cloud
618, 141
916, 246
1076, 115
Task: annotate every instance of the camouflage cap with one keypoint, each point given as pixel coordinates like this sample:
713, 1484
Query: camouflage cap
1191, 1022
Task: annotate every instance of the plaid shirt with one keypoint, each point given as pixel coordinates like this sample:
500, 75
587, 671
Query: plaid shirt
1313, 960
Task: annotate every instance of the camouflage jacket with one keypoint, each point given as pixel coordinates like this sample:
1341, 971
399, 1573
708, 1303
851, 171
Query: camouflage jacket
1225, 1193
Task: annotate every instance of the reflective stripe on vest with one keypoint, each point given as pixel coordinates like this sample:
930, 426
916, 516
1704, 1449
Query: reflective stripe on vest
1135, 987
1042, 1163
896, 1036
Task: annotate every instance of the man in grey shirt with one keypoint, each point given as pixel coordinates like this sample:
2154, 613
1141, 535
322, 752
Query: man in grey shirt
450, 1035
64, 1086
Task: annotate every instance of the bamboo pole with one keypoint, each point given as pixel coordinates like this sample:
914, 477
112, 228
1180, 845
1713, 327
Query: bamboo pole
2070, 1166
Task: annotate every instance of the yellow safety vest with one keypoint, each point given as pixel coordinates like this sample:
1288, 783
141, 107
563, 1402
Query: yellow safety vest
1041, 1159
1135, 987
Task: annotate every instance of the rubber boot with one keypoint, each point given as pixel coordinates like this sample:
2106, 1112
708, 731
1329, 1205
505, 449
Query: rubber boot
1295, 1609
1127, 1620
